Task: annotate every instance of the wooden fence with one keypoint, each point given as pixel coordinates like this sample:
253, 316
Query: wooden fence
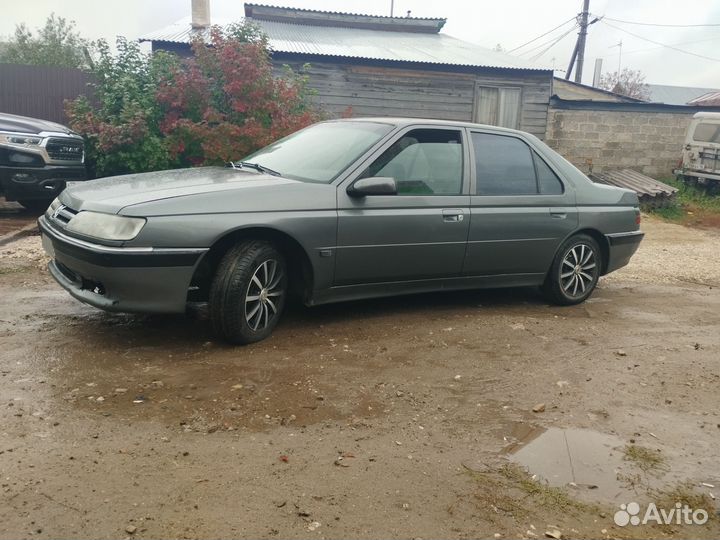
40, 91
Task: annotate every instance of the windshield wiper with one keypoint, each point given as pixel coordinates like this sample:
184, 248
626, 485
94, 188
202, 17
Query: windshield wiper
256, 166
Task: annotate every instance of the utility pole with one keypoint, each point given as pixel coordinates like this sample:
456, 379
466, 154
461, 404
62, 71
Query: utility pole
578, 55
392, 7
581, 41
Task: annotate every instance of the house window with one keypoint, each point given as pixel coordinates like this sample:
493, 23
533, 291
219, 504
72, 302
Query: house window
497, 106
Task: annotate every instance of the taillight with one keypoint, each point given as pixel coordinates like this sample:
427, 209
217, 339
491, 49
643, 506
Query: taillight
637, 218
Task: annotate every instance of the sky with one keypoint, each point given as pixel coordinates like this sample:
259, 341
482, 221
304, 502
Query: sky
509, 23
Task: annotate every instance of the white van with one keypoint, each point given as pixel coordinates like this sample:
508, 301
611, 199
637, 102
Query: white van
701, 152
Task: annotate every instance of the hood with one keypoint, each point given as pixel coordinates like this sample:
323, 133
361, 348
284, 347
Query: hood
191, 191
34, 126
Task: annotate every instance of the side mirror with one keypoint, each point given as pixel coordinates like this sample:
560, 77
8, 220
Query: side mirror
376, 185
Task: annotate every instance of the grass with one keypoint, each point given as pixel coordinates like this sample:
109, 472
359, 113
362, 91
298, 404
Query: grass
13, 270
692, 205
543, 494
685, 494
509, 490
645, 459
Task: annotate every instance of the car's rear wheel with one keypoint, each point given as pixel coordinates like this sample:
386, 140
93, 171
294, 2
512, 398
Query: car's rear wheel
248, 292
575, 271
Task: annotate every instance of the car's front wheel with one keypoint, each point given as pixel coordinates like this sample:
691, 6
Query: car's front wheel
34, 205
575, 271
248, 292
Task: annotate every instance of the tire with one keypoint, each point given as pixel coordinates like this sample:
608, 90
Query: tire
248, 292
574, 272
35, 205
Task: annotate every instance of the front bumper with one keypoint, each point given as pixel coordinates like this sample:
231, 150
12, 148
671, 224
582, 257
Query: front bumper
622, 246
37, 183
122, 279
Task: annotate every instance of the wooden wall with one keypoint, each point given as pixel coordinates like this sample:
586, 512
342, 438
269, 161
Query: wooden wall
41, 91
388, 91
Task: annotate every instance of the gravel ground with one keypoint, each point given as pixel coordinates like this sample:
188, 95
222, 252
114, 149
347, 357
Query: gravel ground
425, 416
672, 253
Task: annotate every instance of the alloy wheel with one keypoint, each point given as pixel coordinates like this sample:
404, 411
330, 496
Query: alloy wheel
263, 292
578, 270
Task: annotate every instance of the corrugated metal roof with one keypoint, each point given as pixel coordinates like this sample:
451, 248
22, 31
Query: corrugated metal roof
711, 99
304, 10
646, 188
675, 95
362, 43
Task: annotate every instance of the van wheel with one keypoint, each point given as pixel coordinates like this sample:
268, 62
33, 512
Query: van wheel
574, 272
248, 292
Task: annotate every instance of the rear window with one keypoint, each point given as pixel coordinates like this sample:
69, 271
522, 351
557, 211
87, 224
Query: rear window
707, 132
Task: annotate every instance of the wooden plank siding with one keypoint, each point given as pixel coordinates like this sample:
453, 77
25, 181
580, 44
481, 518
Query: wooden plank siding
41, 91
387, 91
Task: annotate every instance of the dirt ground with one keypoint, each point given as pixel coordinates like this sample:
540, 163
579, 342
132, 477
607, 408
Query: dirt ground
395, 418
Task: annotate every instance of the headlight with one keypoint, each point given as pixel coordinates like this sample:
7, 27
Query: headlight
105, 226
17, 139
53, 206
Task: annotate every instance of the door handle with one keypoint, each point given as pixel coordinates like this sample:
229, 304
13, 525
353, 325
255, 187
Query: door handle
453, 216
558, 214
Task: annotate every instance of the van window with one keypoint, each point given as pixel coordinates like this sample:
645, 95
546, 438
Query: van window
707, 132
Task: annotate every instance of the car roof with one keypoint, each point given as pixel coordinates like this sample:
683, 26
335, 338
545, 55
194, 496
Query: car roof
404, 121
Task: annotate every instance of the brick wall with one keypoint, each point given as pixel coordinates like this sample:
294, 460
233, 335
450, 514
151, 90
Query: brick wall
648, 142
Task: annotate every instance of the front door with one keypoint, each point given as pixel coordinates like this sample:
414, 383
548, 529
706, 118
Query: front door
419, 233
520, 209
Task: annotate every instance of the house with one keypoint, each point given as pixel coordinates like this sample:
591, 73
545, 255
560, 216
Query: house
676, 95
388, 66
570, 90
711, 99
599, 131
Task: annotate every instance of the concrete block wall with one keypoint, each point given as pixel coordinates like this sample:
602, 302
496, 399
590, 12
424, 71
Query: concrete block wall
647, 142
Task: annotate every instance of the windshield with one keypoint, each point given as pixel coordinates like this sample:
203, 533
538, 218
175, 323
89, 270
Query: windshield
320, 152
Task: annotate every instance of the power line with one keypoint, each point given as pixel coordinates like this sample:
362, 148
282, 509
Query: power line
663, 25
671, 44
541, 35
538, 55
551, 40
661, 44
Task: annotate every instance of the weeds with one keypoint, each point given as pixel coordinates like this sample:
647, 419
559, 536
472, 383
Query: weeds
691, 204
646, 459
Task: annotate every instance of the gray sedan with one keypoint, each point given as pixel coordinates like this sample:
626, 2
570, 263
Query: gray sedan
341, 210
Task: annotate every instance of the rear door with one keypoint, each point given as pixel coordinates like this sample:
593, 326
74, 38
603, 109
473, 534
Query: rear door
520, 209
419, 233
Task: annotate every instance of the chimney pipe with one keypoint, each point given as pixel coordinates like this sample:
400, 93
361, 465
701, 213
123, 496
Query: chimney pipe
200, 14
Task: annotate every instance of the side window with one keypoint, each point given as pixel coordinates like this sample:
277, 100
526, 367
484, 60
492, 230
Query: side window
707, 132
423, 162
504, 165
548, 182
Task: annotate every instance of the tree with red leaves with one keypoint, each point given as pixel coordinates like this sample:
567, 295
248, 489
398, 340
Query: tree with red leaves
158, 111
224, 103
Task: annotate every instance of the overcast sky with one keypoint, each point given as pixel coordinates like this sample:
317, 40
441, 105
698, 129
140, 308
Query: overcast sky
509, 23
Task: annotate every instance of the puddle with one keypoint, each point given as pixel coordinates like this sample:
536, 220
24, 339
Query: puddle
593, 467
585, 460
